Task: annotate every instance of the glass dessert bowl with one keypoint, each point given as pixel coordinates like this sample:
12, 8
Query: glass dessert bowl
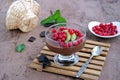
65, 39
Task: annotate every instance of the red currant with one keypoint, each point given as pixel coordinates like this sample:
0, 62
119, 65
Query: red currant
54, 31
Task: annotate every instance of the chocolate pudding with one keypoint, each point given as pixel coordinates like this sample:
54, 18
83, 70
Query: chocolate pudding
66, 51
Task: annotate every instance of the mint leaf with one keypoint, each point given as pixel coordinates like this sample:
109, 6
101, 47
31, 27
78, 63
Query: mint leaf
50, 19
60, 20
55, 18
57, 14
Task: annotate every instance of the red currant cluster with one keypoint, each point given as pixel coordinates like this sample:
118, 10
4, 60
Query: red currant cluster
67, 37
105, 29
59, 36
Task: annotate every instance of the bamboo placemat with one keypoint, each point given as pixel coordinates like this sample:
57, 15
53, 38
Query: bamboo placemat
93, 70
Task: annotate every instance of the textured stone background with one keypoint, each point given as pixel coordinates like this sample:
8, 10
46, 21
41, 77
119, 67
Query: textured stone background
14, 66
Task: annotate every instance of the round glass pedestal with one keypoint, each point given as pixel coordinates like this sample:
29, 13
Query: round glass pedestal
66, 60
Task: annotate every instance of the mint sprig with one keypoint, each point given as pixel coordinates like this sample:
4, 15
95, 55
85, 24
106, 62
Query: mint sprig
54, 18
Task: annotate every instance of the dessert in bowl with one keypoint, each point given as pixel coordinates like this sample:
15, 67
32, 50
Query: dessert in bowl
65, 39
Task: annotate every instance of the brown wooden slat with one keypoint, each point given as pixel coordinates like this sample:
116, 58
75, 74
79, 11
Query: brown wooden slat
64, 72
91, 66
78, 53
47, 51
92, 46
81, 58
88, 55
36, 66
98, 43
71, 68
104, 53
96, 62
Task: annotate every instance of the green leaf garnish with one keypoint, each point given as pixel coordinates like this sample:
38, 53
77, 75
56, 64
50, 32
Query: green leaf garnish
50, 19
54, 18
60, 20
57, 14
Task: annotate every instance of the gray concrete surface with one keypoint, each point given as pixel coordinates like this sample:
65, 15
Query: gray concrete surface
15, 66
